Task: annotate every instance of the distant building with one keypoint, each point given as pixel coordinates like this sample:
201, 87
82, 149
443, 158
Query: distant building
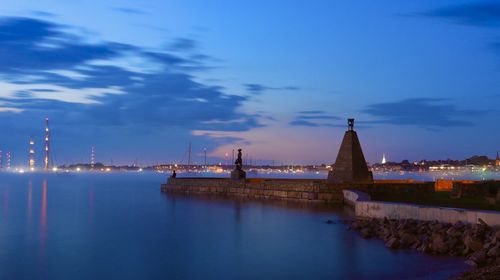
497, 161
384, 161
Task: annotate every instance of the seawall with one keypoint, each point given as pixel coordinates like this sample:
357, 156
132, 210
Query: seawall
392, 210
283, 189
313, 190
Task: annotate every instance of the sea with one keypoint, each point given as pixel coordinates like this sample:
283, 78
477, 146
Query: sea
121, 226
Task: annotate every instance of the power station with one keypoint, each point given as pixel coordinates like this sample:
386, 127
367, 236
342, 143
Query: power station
7, 157
31, 161
47, 144
92, 157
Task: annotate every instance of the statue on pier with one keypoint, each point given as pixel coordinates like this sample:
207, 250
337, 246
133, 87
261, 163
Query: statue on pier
239, 161
238, 173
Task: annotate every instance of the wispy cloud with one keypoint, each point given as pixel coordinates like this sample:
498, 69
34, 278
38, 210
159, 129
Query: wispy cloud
259, 88
475, 14
423, 112
131, 11
183, 44
315, 118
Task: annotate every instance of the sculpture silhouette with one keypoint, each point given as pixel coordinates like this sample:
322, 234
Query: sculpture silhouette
238, 173
239, 161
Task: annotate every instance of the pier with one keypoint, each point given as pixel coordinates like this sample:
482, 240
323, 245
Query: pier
283, 189
308, 190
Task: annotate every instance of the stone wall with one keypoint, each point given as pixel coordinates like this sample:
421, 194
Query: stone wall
392, 210
296, 189
476, 188
287, 189
392, 187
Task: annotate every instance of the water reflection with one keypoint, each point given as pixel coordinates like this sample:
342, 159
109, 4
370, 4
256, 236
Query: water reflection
121, 227
30, 199
42, 260
5, 203
44, 205
91, 203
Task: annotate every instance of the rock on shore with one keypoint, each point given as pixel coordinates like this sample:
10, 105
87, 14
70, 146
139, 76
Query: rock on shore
479, 244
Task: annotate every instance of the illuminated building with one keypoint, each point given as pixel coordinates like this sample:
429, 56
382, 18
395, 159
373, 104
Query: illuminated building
92, 157
7, 157
47, 144
31, 162
384, 161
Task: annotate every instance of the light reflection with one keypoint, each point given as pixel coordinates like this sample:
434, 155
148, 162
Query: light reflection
30, 198
91, 204
44, 204
43, 228
5, 203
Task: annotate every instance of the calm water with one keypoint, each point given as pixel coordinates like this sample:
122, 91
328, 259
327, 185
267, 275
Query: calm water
119, 226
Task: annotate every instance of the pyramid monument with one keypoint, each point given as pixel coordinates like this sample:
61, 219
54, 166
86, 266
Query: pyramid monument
350, 165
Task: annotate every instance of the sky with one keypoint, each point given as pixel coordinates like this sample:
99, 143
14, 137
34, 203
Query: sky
140, 80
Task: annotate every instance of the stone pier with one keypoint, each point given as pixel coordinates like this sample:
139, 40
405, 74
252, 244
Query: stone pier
282, 189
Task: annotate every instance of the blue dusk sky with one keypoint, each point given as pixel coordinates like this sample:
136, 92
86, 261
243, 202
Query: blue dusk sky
140, 80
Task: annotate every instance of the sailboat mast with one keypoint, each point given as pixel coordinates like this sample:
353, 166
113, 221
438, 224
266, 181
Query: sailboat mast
189, 154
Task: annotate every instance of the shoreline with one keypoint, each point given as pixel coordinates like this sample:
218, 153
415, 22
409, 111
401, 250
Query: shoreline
478, 244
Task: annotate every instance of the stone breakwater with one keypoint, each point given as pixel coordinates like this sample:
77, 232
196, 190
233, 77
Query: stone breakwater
280, 189
305, 190
479, 243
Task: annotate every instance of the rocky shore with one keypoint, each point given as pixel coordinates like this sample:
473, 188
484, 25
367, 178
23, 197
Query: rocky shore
479, 243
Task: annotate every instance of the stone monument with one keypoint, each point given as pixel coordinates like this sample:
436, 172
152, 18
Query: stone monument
238, 173
350, 165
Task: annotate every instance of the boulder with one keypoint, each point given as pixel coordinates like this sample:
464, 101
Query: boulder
478, 257
356, 225
471, 263
451, 242
438, 244
408, 239
424, 248
458, 225
473, 243
453, 232
392, 243
494, 252
366, 232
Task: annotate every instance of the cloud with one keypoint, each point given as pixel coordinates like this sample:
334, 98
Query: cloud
312, 112
183, 44
319, 117
130, 11
314, 119
259, 88
303, 123
481, 14
28, 45
424, 112
117, 87
42, 13
476, 14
